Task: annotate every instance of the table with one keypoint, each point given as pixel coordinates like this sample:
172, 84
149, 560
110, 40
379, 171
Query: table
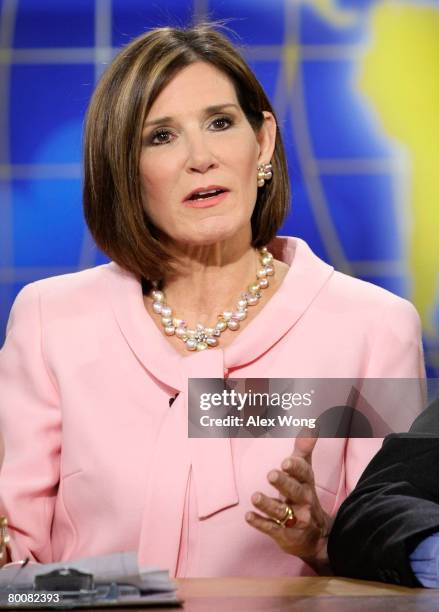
322, 594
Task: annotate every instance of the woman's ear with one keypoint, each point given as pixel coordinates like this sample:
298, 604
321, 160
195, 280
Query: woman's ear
266, 138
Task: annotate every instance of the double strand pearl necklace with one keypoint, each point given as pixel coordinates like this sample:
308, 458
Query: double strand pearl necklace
202, 337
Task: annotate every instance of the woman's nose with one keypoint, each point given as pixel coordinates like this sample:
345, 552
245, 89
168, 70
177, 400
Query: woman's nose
200, 158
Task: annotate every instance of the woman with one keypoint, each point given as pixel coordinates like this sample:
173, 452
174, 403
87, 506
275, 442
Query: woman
185, 188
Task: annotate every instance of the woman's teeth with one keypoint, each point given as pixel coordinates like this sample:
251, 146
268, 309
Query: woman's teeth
202, 195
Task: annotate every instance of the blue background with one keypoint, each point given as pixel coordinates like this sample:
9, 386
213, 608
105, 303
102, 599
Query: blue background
52, 53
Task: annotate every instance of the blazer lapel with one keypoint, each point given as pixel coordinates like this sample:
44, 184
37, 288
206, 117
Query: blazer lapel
307, 276
145, 340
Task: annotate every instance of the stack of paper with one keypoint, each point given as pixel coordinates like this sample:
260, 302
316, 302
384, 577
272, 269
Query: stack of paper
113, 575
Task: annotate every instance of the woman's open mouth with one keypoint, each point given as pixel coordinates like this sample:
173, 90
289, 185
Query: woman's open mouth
203, 198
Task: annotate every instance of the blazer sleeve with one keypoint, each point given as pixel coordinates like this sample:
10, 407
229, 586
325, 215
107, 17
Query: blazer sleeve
393, 508
395, 352
31, 427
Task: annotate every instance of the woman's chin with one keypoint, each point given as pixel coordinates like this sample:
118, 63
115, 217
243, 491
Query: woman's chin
212, 231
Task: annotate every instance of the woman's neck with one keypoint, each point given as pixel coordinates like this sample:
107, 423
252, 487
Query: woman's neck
210, 280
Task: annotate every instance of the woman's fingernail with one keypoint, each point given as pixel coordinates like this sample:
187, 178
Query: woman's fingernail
273, 476
256, 498
249, 516
287, 464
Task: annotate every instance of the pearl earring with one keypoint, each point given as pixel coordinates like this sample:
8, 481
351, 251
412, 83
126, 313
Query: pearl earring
265, 173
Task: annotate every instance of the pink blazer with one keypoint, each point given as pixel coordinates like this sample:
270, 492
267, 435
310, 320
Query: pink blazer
96, 459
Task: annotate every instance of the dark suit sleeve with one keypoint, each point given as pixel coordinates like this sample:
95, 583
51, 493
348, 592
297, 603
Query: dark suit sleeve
394, 506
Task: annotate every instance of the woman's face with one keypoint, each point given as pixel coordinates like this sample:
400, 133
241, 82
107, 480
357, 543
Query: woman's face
196, 138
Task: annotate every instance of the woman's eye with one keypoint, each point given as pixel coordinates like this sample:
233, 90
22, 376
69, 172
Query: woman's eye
221, 123
160, 137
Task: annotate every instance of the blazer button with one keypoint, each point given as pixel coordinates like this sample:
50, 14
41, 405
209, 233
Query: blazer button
172, 399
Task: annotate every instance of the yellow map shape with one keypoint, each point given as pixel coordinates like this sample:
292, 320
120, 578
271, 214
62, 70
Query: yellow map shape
400, 76
333, 14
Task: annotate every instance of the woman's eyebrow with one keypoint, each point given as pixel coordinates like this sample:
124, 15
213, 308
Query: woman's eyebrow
216, 108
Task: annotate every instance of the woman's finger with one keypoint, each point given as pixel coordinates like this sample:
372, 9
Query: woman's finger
298, 468
289, 487
304, 446
273, 508
263, 524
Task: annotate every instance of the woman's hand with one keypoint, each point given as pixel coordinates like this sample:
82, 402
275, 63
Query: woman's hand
306, 535
3, 531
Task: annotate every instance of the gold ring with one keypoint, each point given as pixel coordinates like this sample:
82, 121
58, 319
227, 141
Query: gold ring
4, 536
289, 518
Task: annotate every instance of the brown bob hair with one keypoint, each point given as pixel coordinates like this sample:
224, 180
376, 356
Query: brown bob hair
113, 206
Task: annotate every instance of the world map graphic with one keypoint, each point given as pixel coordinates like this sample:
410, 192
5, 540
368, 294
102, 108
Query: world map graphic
355, 85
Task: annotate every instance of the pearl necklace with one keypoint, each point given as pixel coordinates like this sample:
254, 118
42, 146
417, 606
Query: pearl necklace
202, 337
